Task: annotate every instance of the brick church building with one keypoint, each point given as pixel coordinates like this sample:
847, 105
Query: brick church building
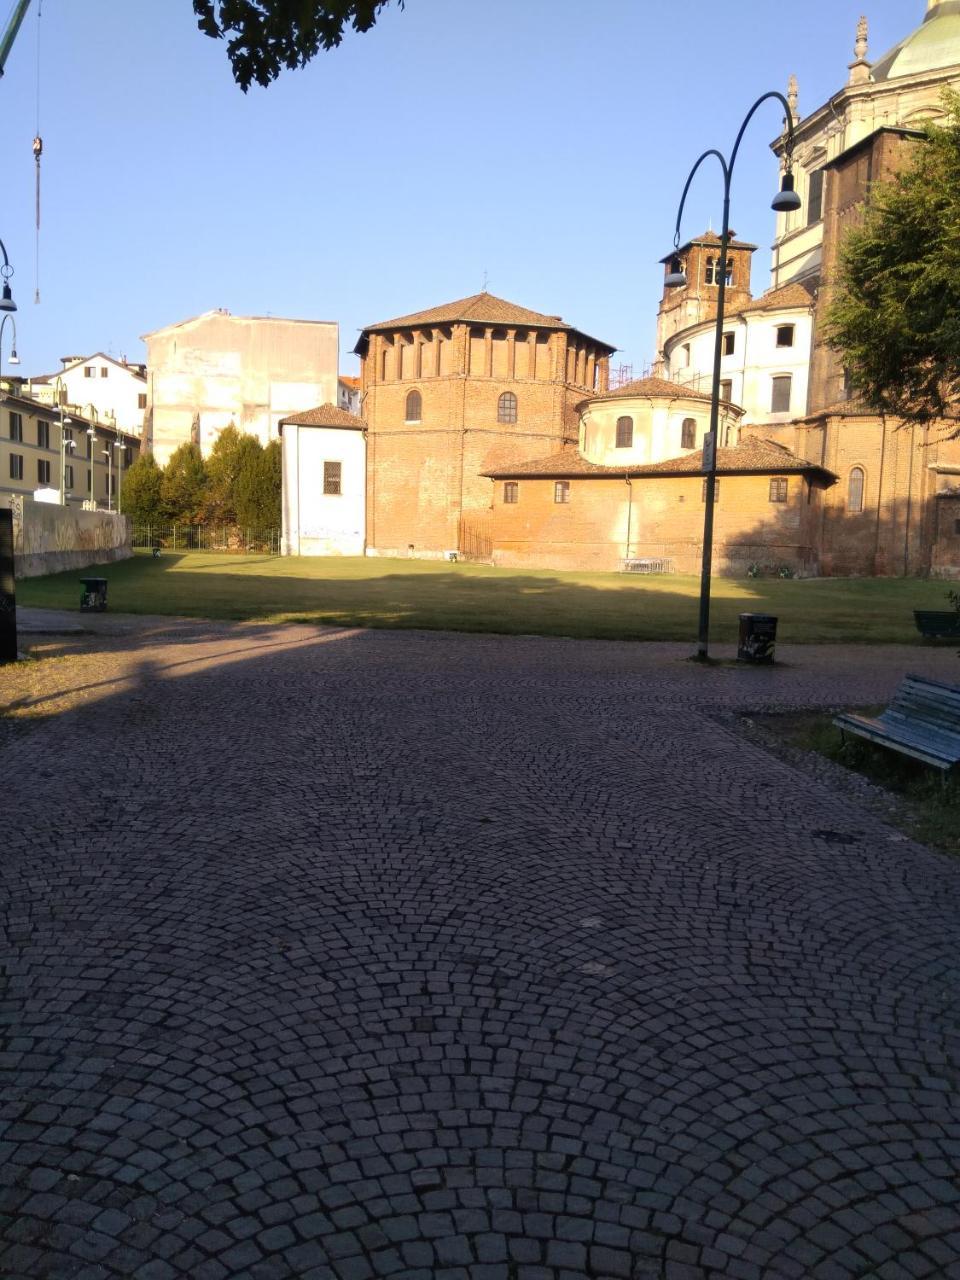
492, 431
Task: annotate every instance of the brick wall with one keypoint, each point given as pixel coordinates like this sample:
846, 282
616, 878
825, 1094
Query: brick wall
425, 487
606, 520
896, 532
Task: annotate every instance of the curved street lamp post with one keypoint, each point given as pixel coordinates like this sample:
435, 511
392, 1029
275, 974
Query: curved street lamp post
785, 199
14, 358
92, 437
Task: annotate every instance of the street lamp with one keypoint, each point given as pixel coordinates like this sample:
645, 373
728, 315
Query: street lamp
14, 358
65, 444
108, 454
118, 444
6, 271
91, 436
785, 200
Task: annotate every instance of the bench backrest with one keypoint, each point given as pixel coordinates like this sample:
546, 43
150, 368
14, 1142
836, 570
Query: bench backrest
929, 703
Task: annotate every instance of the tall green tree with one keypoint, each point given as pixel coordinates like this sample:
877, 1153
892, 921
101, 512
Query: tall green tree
264, 36
895, 319
258, 488
140, 493
184, 485
223, 467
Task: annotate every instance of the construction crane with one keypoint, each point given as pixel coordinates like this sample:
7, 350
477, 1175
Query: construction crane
14, 24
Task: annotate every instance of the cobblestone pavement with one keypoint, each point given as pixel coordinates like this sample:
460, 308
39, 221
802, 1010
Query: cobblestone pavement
338, 954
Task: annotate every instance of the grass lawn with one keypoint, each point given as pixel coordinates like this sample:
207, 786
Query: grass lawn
928, 809
466, 597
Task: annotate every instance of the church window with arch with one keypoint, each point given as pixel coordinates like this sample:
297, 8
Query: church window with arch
507, 408
414, 407
855, 490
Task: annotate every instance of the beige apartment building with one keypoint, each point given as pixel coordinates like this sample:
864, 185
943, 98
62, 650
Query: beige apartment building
252, 371
31, 452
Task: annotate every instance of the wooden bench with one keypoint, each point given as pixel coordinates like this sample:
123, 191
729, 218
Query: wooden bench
938, 624
922, 721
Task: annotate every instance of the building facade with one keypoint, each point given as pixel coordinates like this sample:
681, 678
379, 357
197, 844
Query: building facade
449, 393
632, 492
115, 388
324, 452
892, 510
216, 369
31, 453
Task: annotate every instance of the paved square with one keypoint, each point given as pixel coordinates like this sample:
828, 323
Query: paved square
351, 954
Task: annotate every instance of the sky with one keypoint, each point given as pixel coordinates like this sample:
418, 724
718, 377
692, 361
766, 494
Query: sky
537, 146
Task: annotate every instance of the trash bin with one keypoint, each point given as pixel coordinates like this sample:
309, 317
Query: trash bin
94, 594
758, 637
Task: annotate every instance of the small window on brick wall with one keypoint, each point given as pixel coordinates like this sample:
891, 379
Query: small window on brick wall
507, 408
511, 492
414, 409
778, 488
332, 477
561, 491
855, 490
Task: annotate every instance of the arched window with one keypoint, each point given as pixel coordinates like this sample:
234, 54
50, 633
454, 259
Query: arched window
507, 407
712, 275
414, 409
624, 433
855, 490
688, 434
383, 364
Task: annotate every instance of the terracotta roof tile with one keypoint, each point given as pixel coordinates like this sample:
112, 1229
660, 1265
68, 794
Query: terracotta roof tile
325, 415
751, 457
657, 388
479, 308
795, 294
350, 381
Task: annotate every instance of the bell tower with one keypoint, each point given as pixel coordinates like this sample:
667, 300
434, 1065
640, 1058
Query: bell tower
696, 301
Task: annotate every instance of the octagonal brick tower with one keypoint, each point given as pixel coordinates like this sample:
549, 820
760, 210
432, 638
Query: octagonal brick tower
449, 393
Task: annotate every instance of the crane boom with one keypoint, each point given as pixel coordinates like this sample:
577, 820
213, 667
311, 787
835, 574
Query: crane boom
10, 34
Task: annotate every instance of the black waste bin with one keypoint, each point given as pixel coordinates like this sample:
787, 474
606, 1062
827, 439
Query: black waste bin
94, 594
758, 637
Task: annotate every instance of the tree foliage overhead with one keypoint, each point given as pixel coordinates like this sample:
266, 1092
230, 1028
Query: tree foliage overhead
264, 36
896, 317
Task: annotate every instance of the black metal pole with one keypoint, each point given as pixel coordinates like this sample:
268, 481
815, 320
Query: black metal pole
712, 442
8, 595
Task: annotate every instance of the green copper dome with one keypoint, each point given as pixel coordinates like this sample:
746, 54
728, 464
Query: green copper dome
933, 46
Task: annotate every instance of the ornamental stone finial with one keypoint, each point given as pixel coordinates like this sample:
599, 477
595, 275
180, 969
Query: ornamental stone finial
793, 96
860, 48
860, 67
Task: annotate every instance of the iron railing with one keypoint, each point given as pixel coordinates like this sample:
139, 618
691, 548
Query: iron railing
207, 537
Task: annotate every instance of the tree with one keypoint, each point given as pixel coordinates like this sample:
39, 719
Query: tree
140, 493
258, 488
223, 467
263, 36
184, 482
896, 317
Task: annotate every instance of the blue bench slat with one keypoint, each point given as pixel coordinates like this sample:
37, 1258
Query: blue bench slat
922, 721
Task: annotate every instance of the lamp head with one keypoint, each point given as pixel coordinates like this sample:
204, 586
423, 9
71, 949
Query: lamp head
6, 298
676, 277
786, 198
14, 358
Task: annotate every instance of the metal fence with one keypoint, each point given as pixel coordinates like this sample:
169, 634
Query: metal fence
207, 537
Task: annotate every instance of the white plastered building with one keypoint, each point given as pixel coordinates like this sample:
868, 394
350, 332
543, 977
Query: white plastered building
252, 371
117, 389
324, 453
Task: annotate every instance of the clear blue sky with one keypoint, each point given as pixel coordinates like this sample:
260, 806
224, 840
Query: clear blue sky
544, 142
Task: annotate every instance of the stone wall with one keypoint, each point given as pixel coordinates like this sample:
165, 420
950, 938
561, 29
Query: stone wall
49, 539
